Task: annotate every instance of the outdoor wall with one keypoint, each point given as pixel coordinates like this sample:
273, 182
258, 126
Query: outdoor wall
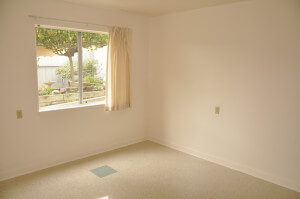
41, 140
243, 57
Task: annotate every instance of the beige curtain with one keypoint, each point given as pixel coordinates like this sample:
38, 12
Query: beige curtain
118, 69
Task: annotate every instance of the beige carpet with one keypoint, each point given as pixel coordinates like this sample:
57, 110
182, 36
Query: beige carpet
145, 170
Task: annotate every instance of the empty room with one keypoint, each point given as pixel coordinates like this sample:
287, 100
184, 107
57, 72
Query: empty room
150, 99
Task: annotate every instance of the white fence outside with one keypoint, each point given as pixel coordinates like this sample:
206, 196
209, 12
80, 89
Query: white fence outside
48, 74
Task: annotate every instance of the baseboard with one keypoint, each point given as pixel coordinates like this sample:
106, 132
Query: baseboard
52, 164
234, 166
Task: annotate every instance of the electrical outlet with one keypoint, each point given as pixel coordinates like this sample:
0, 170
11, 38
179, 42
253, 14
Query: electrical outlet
19, 114
217, 110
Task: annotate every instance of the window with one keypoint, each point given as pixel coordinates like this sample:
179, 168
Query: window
71, 67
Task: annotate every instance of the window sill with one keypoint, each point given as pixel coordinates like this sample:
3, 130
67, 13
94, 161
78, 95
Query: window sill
69, 106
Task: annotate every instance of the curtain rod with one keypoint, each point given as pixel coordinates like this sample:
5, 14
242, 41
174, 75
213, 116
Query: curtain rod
70, 21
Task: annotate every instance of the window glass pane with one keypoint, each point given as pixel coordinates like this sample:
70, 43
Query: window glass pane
94, 67
57, 68
57, 65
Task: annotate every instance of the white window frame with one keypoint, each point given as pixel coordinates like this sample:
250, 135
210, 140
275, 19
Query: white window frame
78, 27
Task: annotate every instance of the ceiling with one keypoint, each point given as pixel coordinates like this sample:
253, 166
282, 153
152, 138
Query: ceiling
152, 7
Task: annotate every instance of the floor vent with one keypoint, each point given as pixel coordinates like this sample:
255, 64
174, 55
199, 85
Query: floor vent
103, 171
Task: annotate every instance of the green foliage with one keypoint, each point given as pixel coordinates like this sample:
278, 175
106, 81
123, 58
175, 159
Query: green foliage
99, 88
45, 91
64, 42
92, 80
37, 61
88, 68
65, 71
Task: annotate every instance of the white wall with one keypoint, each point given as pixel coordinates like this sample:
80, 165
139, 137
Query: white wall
243, 57
44, 139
